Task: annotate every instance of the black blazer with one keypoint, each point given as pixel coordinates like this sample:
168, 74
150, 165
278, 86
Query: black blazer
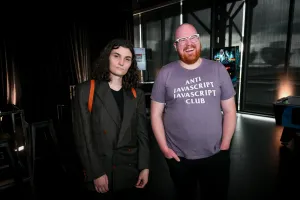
106, 144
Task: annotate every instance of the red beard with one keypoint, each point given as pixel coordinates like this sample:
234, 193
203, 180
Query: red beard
189, 58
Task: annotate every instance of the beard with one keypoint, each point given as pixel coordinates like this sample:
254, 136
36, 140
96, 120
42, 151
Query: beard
190, 58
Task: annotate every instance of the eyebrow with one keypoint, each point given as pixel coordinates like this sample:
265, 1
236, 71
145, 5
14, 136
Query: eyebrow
120, 54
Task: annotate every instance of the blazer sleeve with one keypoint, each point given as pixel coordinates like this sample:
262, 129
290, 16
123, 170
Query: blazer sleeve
83, 135
142, 133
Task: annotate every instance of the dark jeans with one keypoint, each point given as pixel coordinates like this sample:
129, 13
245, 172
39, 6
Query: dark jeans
212, 175
132, 194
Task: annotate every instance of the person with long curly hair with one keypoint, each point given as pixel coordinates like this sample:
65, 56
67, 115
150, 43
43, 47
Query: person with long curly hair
110, 125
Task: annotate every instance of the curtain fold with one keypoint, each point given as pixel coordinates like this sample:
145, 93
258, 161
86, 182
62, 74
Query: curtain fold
80, 59
10, 84
2, 76
127, 29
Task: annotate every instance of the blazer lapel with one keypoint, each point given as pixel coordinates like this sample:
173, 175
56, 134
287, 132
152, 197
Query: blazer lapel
129, 109
102, 90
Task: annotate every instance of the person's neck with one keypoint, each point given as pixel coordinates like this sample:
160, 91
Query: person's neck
115, 82
191, 66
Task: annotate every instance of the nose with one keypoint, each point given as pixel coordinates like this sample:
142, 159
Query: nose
188, 42
121, 62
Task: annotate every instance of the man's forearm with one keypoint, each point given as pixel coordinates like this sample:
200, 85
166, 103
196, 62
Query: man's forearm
159, 132
229, 124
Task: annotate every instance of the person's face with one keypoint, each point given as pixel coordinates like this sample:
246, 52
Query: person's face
187, 44
120, 61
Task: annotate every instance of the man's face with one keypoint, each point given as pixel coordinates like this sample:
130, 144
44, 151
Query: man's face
188, 45
120, 61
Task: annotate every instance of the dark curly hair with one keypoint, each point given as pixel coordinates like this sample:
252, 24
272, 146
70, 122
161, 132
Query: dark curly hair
101, 68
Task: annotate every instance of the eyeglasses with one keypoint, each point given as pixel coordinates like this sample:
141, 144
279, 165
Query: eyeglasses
193, 38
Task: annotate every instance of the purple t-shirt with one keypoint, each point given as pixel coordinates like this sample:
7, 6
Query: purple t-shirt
192, 117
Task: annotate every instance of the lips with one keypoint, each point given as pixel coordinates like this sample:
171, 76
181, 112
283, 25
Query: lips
120, 68
189, 50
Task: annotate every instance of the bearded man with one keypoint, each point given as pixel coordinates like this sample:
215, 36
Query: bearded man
193, 116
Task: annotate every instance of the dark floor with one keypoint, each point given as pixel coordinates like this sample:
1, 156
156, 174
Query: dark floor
261, 168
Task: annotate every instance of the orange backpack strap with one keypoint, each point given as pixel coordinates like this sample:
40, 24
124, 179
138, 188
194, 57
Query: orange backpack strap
91, 95
133, 92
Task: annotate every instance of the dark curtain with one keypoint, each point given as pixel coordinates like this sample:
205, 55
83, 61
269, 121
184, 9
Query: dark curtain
3, 97
39, 54
10, 84
79, 52
127, 30
42, 57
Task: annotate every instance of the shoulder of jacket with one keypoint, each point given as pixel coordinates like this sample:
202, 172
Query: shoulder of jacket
83, 84
83, 88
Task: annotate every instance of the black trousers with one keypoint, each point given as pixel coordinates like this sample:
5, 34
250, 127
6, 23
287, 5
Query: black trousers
132, 194
211, 174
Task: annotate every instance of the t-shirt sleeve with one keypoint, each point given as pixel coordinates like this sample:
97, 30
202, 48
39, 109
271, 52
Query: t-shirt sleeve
159, 87
227, 89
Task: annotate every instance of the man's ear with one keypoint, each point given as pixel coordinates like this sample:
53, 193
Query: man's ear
175, 46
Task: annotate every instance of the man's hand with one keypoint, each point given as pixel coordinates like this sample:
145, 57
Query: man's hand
225, 146
143, 178
101, 184
229, 122
169, 153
